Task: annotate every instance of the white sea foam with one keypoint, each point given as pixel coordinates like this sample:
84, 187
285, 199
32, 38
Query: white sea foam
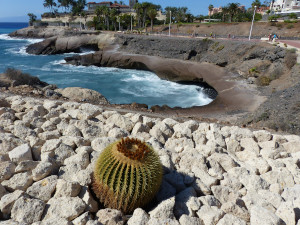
8, 38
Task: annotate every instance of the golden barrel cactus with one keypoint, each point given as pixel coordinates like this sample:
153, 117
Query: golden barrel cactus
127, 175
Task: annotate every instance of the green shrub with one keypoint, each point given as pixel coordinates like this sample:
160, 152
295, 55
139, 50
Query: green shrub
263, 81
290, 59
290, 26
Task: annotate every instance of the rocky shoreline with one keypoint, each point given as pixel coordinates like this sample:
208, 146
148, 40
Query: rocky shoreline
212, 174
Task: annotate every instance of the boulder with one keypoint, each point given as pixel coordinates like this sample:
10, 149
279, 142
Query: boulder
83, 94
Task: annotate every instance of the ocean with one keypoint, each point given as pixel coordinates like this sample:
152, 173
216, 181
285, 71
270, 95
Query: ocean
119, 86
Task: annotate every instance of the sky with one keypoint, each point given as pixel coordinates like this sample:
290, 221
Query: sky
17, 10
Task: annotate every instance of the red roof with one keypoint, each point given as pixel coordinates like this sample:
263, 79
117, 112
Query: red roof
91, 3
117, 5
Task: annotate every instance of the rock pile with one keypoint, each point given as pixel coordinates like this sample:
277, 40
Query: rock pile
212, 174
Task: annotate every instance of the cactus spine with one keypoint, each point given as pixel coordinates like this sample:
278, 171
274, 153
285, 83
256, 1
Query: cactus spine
127, 175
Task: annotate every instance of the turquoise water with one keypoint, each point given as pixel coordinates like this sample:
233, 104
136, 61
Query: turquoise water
119, 86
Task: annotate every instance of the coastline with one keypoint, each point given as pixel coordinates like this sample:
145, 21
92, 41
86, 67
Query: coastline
214, 173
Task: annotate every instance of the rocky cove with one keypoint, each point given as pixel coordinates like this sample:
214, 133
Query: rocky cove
213, 174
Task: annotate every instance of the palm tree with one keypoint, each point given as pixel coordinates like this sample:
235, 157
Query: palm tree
152, 13
106, 15
210, 9
50, 4
145, 7
225, 11
66, 4
256, 3
113, 16
233, 9
32, 18
138, 9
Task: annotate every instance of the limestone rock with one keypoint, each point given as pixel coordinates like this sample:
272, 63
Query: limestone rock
260, 215
164, 210
210, 215
20, 153
82, 220
185, 219
166, 191
27, 165
67, 188
91, 204
181, 200
72, 207
7, 170
27, 210
229, 219
20, 181
110, 216
42, 170
7, 201
43, 189
78, 94
139, 217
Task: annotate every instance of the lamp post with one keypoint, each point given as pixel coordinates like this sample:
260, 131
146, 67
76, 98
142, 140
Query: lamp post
131, 22
170, 23
252, 23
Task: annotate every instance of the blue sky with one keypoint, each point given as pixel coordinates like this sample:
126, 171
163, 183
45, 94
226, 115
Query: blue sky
16, 10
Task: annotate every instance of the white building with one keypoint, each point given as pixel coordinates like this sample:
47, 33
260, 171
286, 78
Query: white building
286, 6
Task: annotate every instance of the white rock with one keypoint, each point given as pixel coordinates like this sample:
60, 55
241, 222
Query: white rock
229, 219
281, 176
110, 216
27, 165
139, 128
237, 208
180, 144
157, 221
252, 198
274, 198
82, 159
204, 177
166, 191
20, 181
94, 131
82, 220
139, 217
91, 204
26, 210
288, 212
72, 207
224, 160
185, 219
49, 126
209, 200
260, 215
233, 145
74, 172
7, 201
262, 135
67, 188
170, 122
7, 170
260, 164
291, 193
50, 145
292, 146
175, 179
117, 132
2, 191
223, 193
20, 153
164, 210
210, 215
98, 144
43, 189
181, 200
121, 122
254, 182
42, 170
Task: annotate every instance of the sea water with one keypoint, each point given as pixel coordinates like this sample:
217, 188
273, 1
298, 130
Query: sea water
119, 86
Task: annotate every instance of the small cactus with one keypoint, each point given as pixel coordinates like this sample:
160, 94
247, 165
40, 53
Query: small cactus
127, 175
